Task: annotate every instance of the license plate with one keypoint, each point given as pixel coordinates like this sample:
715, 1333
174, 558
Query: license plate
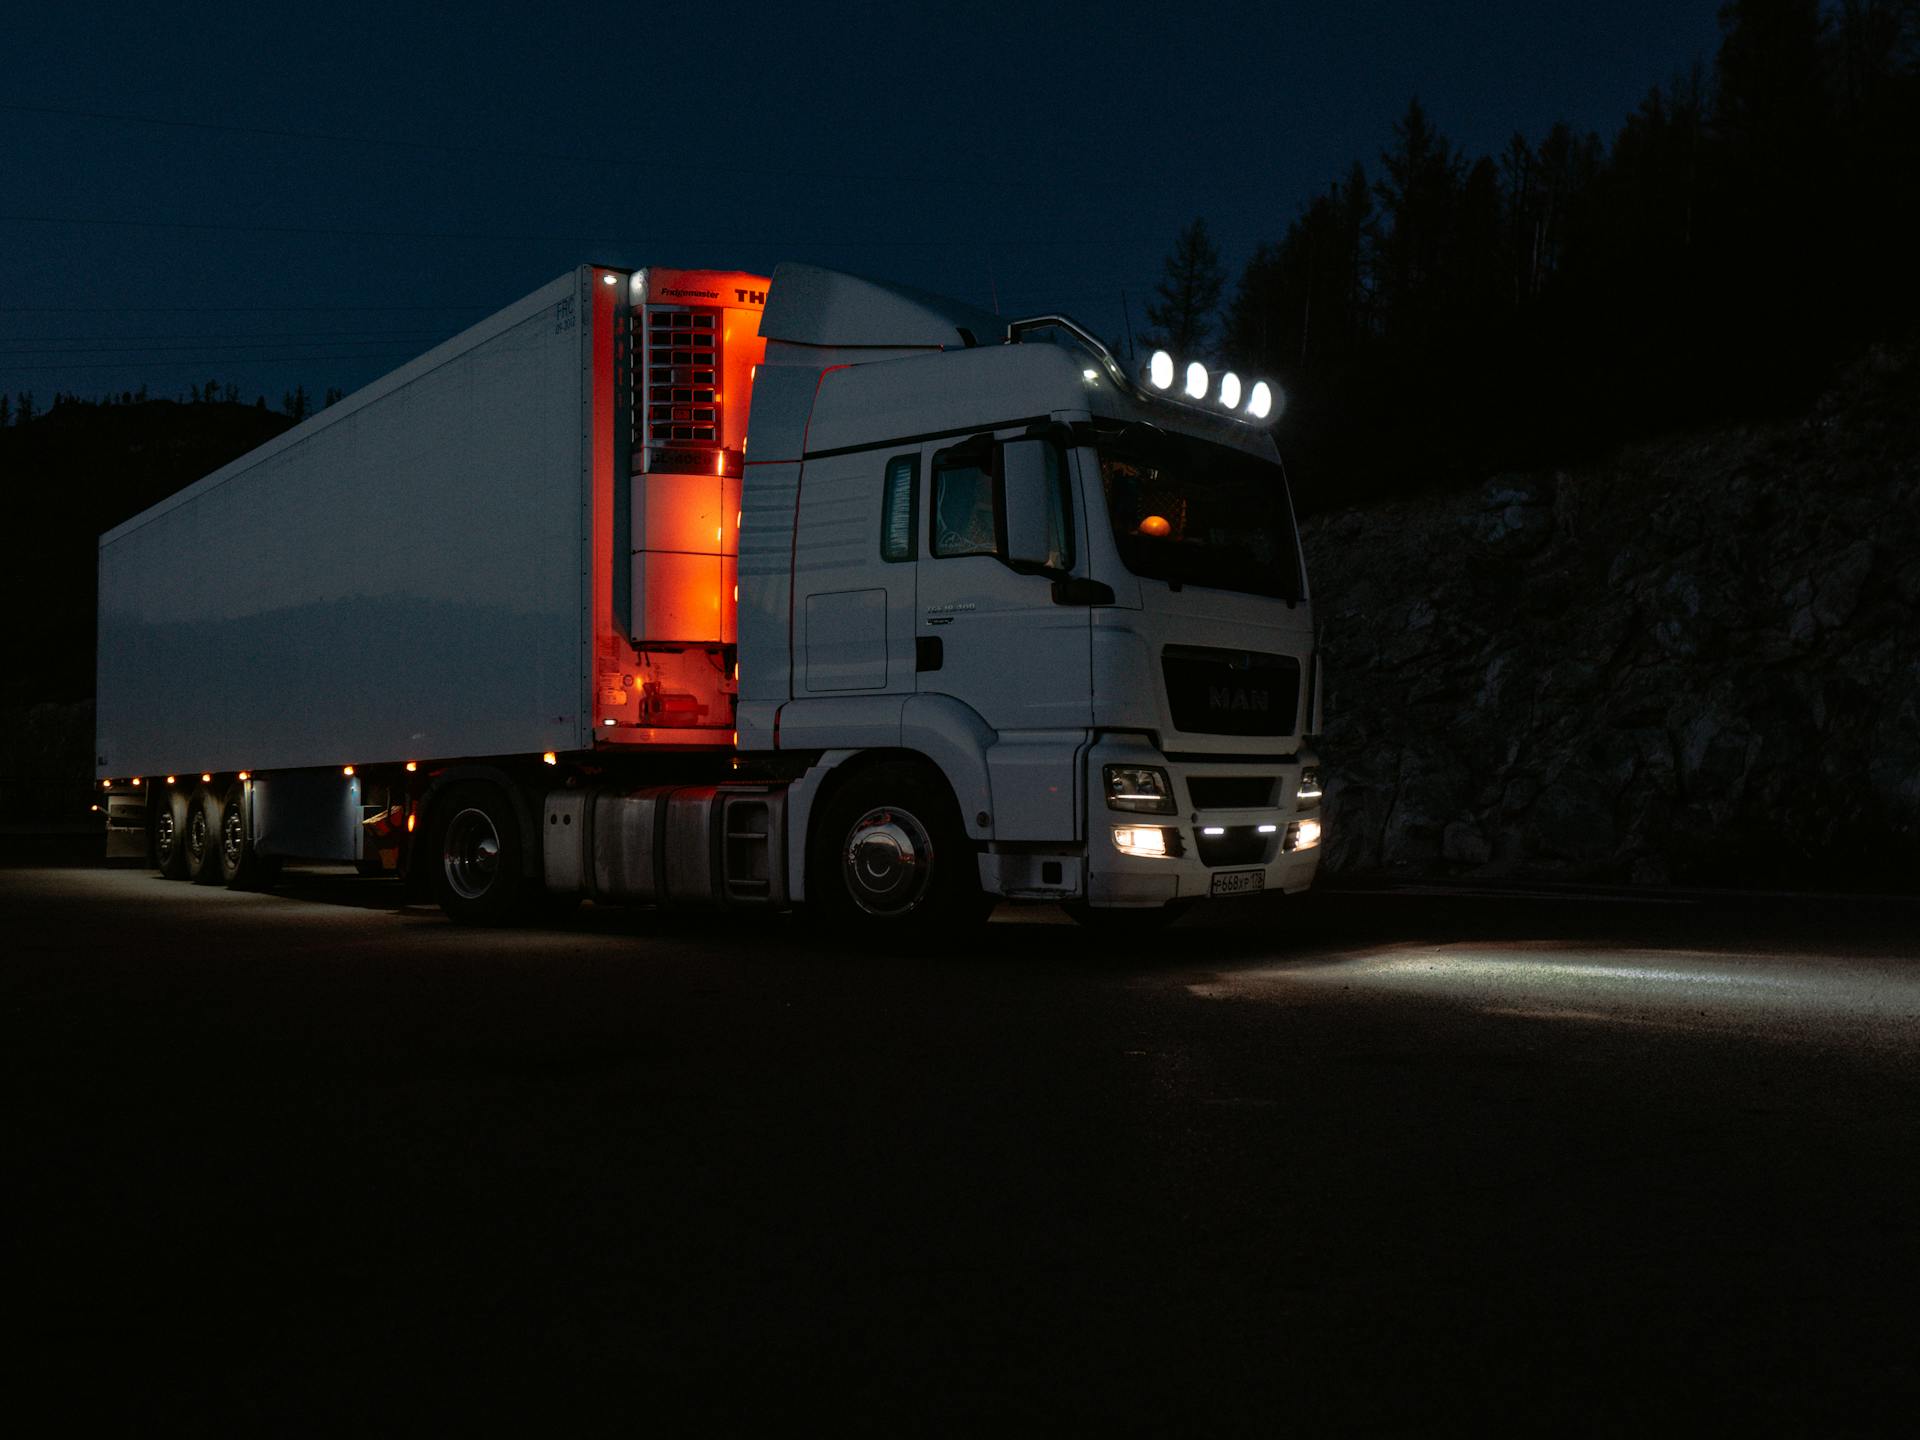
1239, 882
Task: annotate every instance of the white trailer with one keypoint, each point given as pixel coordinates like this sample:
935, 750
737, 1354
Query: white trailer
673, 586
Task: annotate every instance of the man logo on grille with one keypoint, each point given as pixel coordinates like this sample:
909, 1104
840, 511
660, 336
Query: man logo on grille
1225, 697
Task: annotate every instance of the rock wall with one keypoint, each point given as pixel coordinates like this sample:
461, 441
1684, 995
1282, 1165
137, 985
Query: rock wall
1697, 661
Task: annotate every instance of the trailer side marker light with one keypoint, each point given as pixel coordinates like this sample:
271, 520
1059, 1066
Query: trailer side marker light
609, 279
246, 774
346, 770
136, 782
609, 721
206, 779
106, 784
410, 822
1155, 526
170, 779
412, 765
550, 758
94, 808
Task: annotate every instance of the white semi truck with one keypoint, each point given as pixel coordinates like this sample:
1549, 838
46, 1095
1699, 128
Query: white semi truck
694, 587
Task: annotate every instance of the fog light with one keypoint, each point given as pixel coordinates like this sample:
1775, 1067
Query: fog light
1148, 840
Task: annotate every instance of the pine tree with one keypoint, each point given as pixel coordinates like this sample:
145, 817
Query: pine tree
334, 396
1184, 319
6, 411
26, 406
297, 403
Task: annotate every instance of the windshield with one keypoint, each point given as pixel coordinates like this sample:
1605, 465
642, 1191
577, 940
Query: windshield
1194, 513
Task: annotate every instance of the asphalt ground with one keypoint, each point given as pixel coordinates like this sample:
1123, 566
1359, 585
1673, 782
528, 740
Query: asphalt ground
1369, 1162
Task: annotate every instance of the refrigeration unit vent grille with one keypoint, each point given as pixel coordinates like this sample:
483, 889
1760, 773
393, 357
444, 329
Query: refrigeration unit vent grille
682, 367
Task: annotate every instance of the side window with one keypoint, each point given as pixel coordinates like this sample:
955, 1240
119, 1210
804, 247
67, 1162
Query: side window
897, 507
1059, 511
966, 520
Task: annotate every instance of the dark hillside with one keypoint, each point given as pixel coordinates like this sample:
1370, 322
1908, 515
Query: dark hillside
1690, 660
72, 473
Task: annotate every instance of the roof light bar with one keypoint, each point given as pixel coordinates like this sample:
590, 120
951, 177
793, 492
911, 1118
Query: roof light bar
1244, 400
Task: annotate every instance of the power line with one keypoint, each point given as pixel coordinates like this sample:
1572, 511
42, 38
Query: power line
960, 241
138, 341
213, 363
223, 309
490, 152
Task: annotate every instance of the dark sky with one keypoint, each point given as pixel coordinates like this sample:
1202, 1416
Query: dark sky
338, 187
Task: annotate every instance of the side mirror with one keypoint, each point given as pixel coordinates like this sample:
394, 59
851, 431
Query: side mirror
1028, 503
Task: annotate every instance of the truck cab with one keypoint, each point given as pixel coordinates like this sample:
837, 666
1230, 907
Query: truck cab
980, 556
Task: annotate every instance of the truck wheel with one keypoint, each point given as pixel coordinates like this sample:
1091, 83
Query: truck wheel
476, 855
167, 832
240, 867
203, 838
890, 856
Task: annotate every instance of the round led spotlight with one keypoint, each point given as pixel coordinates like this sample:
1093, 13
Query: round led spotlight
1260, 403
1197, 380
1160, 370
1230, 390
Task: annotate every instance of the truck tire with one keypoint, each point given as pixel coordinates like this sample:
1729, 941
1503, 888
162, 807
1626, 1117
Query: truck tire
167, 832
241, 867
203, 838
890, 857
475, 854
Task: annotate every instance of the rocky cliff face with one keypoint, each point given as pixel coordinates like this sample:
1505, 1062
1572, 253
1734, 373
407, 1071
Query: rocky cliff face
1698, 661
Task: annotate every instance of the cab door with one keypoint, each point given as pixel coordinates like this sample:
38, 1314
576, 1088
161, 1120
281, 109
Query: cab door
988, 635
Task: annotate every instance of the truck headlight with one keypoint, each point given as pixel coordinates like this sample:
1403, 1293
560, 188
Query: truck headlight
1152, 841
1139, 787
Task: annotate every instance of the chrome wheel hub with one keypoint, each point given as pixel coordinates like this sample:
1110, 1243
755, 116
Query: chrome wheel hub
233, 837
887, 861
470, 854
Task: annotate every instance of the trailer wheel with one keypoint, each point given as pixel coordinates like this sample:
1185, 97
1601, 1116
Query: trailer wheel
890, 856
476, 855
241, 867
167, 832
203, 838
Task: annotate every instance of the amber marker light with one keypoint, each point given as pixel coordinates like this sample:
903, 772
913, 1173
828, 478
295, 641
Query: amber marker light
412, 765
206, 778
106, 784
410, 820
346, 770
550, 758
170, 779
1156, 526
246, 775
136, 782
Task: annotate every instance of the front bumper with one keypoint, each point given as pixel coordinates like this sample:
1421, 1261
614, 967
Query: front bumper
1201, 865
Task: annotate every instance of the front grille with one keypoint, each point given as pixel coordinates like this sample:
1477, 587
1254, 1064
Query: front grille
1230, 792
1241, 845
682, 359
1231, 692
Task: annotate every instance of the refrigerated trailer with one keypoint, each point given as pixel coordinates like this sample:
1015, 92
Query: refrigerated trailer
698, 587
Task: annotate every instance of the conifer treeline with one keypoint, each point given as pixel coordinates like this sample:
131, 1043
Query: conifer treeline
1446, 315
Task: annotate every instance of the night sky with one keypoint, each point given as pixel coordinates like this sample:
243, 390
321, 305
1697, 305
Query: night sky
270, 195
